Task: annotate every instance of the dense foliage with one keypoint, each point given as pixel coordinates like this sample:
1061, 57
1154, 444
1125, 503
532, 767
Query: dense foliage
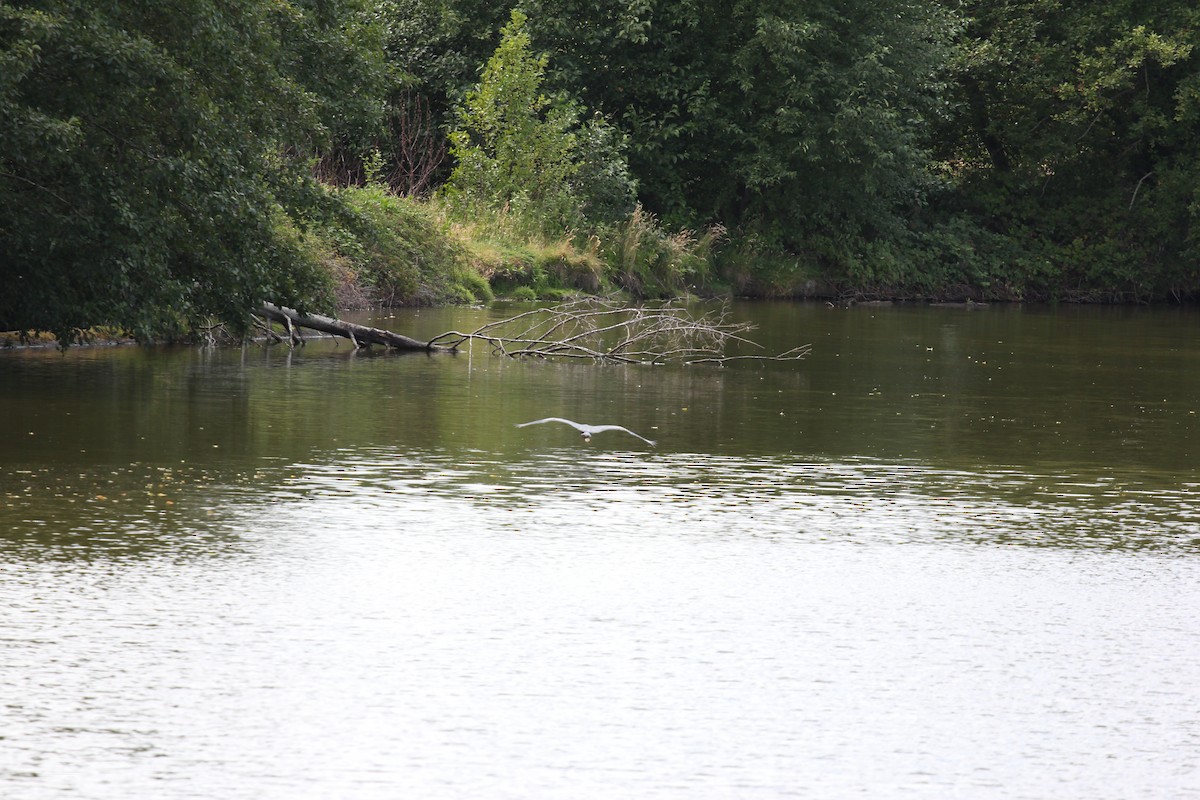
154, 160
158, 160
1043, 148
1076, 145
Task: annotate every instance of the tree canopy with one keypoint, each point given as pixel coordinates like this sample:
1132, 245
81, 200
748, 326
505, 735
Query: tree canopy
1076, 137
156, 154
159, 159
1042, 148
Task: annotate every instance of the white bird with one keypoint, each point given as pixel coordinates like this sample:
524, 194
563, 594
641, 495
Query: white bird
586, 431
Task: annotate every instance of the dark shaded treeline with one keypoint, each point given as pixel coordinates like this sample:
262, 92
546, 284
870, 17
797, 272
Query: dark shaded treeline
158, 161
1002, 150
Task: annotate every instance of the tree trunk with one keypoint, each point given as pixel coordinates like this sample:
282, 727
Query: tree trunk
361, 335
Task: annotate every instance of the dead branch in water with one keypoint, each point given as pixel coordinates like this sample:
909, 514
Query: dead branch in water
590, 329
360, 335
603, 330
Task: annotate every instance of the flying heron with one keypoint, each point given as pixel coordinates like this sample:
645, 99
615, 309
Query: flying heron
586, 431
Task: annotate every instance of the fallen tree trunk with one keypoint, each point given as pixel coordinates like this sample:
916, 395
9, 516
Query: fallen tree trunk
360, 335
593, 329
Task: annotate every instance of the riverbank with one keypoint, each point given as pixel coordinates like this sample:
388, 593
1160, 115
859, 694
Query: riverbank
398, 251
384, 250
35, 340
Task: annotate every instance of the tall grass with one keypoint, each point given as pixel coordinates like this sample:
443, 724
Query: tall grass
647, 261
395, 252
391, 250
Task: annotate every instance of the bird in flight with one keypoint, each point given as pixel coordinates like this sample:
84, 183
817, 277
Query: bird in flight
586, 431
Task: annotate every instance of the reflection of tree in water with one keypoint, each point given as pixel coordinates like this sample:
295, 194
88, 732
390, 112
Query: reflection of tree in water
157, 450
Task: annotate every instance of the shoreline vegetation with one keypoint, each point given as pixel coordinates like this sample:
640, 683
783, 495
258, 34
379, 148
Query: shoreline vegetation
369, 153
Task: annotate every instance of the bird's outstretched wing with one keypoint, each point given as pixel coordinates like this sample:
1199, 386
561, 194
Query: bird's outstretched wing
587, 430
599, 428
574, 425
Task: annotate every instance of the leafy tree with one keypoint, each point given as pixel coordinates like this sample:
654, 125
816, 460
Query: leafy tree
433, 49
603, 182
155, 155
802, 121
520, 149
1021, 148
804, 124
1077, 140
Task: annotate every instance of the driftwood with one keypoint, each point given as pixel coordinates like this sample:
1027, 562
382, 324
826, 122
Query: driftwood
360, 335
603, 330
591, 329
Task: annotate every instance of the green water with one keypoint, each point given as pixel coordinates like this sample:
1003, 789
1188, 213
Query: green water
1086, 388
1031, 401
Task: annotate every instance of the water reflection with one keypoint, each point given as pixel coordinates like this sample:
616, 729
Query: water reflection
1001, 425
123, 512
697, 494
185, 511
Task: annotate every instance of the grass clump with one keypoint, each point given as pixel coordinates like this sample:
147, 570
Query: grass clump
391, 251
649, 262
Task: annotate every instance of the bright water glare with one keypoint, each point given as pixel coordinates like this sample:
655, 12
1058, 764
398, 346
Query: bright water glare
953, 554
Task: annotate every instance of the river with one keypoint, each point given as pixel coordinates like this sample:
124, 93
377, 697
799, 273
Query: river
954, 553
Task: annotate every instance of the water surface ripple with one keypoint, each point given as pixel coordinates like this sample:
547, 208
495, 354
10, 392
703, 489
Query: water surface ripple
261, 575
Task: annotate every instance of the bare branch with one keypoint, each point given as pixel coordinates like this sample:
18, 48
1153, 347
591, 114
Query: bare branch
590, 329
1138, 188
604, 330
795, 354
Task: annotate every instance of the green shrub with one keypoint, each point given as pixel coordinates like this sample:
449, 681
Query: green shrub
476, 285
753, 268
315, 264
524, 155
514, 146
602, 181
647, 261
563, 265
401, 254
